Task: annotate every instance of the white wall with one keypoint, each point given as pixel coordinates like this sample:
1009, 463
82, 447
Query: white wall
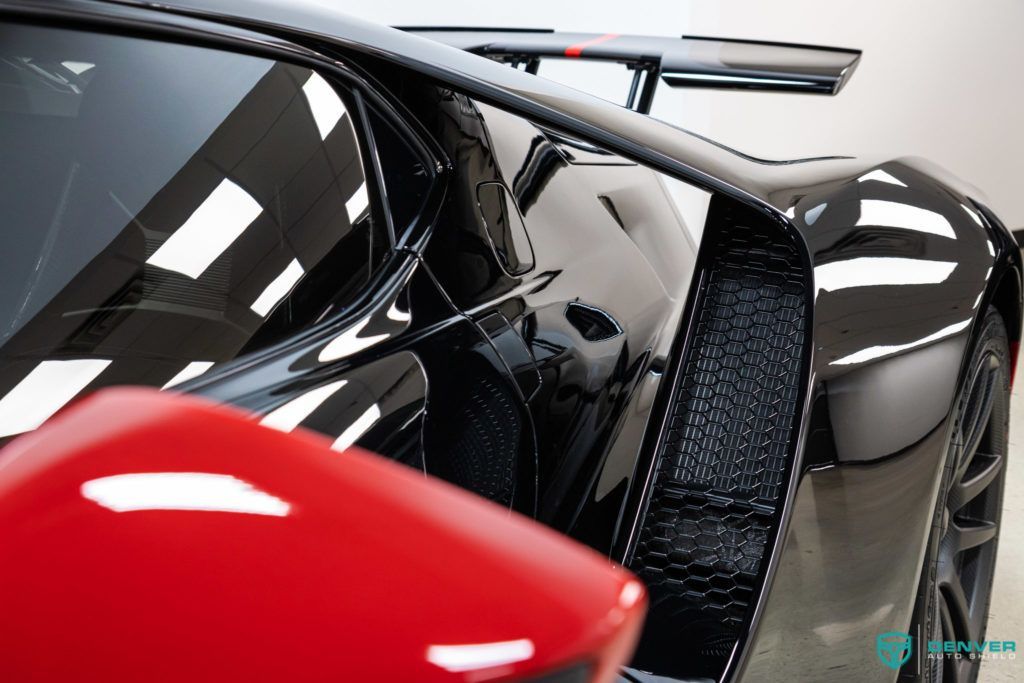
939, 79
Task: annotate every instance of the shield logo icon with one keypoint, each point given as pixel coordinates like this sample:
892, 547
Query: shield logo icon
894, 648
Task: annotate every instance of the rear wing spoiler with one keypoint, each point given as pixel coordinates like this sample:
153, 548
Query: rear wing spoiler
686, 62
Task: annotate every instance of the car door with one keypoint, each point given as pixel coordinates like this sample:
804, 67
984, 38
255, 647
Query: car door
244, 228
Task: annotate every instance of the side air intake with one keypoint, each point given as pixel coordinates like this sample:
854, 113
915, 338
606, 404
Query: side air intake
723, 458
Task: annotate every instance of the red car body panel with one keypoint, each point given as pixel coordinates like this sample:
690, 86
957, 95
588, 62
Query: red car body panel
149, 536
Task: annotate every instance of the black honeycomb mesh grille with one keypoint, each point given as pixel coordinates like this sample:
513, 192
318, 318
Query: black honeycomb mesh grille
721, 464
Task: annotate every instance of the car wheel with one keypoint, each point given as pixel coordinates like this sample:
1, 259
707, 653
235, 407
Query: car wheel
956, 584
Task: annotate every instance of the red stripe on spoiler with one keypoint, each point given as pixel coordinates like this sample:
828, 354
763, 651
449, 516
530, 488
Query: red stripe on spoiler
577, 49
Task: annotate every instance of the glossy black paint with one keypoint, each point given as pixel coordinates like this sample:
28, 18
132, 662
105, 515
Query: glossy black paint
505, 228
587, 381
886, 354
887, 362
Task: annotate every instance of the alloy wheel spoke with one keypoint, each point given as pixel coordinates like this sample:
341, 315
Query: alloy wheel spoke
951, 673
973, 473
972, 533
966, 490
977, 421
954, 600
963, 669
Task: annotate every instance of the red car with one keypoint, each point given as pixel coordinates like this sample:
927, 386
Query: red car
156, 537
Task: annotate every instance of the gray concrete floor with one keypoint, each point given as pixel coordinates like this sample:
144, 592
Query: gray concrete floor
1006, 617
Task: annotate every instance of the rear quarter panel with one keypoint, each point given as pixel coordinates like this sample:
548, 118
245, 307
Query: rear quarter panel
904, 265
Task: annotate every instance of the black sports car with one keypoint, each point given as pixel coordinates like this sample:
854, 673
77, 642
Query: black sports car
776, 390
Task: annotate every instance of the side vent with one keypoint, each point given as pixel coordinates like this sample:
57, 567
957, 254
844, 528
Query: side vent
592, 323
476, 439
723, 459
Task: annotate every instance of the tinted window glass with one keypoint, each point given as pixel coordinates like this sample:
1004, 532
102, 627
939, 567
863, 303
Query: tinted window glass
165, 208
407, 179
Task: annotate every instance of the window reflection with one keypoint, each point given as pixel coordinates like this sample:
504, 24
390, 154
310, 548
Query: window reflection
168, 236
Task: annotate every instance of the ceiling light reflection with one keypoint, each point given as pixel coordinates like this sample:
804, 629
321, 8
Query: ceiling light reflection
356, 430
721, 78
78, 68
398, 315
182, 491
814, 214
357, 204
324, 103
349, 342
973, 214
879, 351
630, 594
190, 371
880, 270
291, 414
208, 232
881, 176
896, 215
44, 391
456, 658
278, 288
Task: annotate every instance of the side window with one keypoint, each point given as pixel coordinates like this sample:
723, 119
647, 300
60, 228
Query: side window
169, 207
405, 173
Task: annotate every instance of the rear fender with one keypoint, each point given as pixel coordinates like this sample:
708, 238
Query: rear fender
905, 263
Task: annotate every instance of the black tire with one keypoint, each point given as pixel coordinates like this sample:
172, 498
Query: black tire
956, 580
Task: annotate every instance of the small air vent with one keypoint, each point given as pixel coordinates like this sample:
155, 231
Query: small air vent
593, 324
475, 441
